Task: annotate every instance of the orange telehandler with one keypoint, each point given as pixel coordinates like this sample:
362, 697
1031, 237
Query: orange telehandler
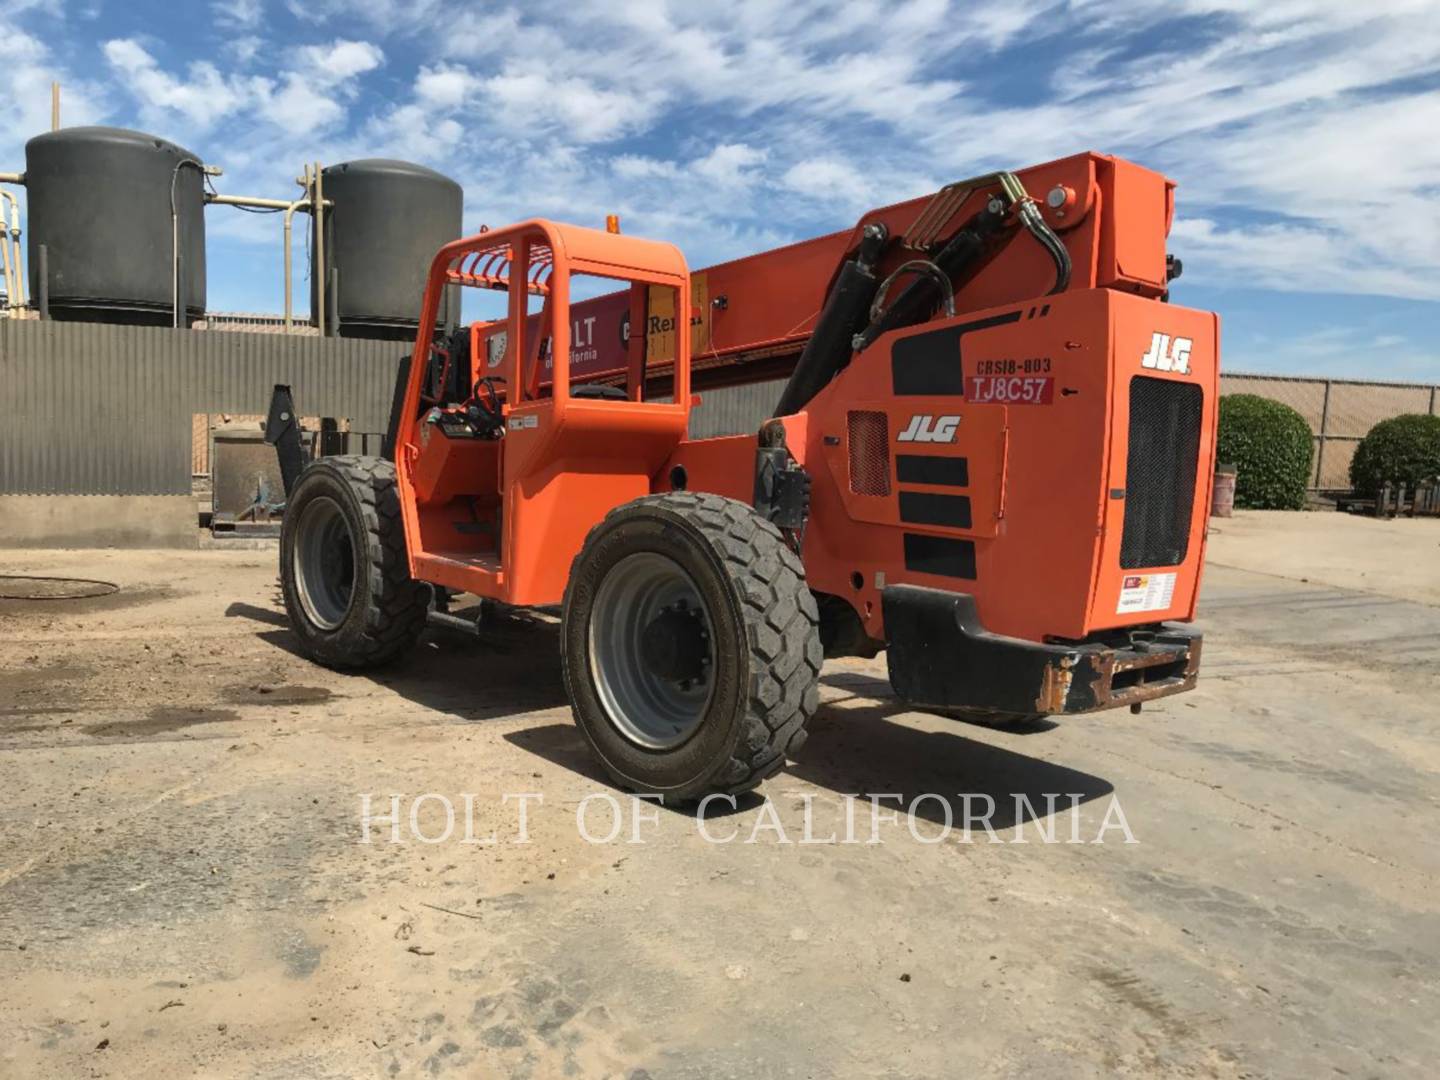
991, 458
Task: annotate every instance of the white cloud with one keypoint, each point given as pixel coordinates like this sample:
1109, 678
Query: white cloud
340, 61
238, 14
1291, 257
1287, 109
632, 167
299, 106
398, 16
444, 87
1295, 128
312, 96
827, 178
731, 163
307, 96
203, 97
15, 8
27, 69
1334, 349
244, 48
539, 101
411, 132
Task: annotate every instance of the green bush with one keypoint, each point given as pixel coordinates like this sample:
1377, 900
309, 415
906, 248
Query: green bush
1271, 446
1401, 450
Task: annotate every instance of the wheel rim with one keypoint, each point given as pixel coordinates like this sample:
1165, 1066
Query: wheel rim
652, 651
324, 562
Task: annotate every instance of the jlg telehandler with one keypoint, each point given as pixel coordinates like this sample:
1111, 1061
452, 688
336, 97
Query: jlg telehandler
992, 459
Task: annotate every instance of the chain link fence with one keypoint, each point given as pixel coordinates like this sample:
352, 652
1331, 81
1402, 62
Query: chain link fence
1339, 411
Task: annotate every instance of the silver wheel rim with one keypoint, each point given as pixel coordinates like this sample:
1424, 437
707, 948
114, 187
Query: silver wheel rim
648, 603
324, 563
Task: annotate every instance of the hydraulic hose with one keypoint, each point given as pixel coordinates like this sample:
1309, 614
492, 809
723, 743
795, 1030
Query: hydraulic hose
845, 313
919, 298
1034, 221
967, 246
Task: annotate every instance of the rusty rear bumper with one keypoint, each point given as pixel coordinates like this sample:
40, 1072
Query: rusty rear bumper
941, 657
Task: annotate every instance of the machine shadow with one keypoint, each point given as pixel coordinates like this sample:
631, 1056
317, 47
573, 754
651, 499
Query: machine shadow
855, 749
855, 746
241, 610
563, 745
511, 666
868, 686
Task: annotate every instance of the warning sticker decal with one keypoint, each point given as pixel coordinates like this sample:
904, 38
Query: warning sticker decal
1146, 592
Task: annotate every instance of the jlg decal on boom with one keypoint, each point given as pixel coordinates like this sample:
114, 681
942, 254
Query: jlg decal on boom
1168, 354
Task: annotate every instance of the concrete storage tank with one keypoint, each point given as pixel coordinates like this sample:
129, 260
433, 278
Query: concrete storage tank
100, 204
387, 221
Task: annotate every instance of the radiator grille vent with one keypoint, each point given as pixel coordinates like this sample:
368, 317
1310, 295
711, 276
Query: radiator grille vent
869, 434
1160, 471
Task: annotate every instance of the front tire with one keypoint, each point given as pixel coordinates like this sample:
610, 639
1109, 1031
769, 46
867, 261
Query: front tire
690, 645
343, 566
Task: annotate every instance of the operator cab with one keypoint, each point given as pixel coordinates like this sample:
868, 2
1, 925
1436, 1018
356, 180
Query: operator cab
513, 426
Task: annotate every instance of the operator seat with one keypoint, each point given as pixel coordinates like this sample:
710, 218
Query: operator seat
599, 391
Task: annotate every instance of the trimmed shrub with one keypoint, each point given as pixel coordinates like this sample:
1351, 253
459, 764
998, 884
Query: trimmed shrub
1271, 446
1401, 450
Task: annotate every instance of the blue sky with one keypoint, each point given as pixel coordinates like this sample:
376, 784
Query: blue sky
1302, 133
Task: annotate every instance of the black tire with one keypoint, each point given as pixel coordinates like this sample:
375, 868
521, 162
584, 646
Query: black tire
382, 612
761, 626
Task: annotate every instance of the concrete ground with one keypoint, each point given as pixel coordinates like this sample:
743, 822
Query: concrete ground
183, 890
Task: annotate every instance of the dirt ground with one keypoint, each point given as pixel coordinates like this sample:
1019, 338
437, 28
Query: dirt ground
184, 890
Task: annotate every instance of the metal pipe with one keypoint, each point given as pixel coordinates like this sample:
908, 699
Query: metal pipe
175, 240
332, 301
9, 271
12, 178
308, 184
298, 204
248, 200
42, 257
181, 300
5, 246
289, 207
17, 263
17, 258
54, 106
1323, 436
317, 272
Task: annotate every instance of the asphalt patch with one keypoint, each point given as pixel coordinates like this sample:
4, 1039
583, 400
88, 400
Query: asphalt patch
161, 719
276, 694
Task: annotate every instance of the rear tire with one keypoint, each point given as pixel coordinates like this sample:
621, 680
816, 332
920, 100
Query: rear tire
690, 645
343, 565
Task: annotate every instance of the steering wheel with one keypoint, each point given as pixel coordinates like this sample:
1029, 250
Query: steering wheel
485, 411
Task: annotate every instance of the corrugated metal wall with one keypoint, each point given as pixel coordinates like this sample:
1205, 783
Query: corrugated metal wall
735, 410
91, 409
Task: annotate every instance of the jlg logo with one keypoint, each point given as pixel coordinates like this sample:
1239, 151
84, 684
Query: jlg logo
930, 429
1168, 354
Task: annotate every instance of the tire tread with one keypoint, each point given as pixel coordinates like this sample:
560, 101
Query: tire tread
396, 603
781, 621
